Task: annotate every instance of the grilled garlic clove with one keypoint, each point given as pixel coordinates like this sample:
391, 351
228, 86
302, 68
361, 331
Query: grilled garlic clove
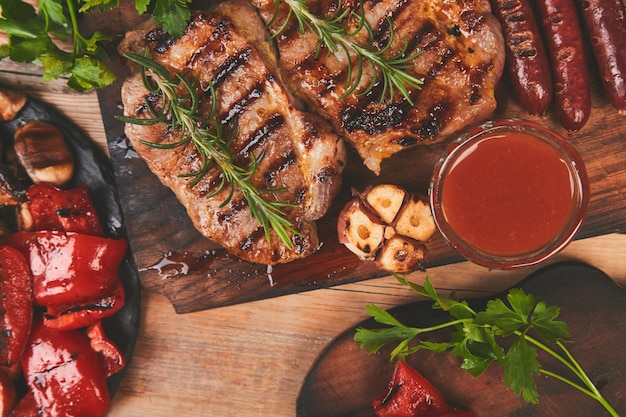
387, 224
43, 152
401, 255
359, 230
415, 220
386, 200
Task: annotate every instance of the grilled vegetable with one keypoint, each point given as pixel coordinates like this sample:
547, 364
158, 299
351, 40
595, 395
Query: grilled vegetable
388, 225
8, 395
64, 373
401, 255
605, 21
42, 151
16, 304
409, 394
527, 62
68, 210
415, 219
11, 103
360, 230
569, 68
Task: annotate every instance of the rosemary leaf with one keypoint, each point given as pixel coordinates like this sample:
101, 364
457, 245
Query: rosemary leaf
180, 111
332, 35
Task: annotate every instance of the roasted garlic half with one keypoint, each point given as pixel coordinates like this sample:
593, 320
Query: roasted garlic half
388, 225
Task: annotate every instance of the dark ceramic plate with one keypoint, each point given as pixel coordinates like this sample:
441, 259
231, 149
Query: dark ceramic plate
94, 169
345, 379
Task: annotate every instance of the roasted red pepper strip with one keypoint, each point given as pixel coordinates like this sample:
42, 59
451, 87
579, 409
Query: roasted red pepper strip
70, 267
65, 210
79, 315
64, 373
411, 395
111, 358
25, 407
17, 304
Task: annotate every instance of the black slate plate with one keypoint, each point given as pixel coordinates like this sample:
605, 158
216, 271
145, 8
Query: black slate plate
345, 379
93, 168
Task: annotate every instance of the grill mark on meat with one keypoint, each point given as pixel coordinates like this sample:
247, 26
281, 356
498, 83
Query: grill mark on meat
260, 135
234, 207
161, 39
376, 120
232, 64
151, 100
477, 79
433, 124
382, 31
241, 105
325, 175
222, 27
287, 159
439, 66
312, 135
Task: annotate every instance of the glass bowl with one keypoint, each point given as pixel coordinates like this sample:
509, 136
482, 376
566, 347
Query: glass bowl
509, 193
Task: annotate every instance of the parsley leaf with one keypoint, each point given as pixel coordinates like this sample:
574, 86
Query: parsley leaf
520, 364
475, 338
172, 15
33, 36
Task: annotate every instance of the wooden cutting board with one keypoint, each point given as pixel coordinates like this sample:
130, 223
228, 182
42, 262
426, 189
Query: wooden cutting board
345, 379
196, 274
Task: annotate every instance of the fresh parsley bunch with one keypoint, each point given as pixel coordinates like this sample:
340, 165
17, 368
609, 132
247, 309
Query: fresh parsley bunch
49, 35
475, 339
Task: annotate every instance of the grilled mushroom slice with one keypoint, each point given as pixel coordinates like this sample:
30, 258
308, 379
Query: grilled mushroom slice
43, 152
11, 103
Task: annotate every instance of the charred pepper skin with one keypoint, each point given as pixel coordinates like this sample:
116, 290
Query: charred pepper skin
17, 304
61, 367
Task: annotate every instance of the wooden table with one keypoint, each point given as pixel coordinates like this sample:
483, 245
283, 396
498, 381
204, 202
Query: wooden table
250, 359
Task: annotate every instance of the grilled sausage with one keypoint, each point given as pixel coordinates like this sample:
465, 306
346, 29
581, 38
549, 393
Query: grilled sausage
569, 69
527, 61
606, 23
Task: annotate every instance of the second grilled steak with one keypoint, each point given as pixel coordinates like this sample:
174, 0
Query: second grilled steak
461, 60
302, 157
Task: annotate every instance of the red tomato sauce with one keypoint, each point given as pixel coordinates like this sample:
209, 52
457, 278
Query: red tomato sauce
510, 194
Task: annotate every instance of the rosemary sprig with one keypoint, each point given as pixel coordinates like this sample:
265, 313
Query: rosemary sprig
333, 36
180, 111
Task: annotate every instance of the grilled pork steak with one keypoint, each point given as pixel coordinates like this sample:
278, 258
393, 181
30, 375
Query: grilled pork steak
301, 154
461, 59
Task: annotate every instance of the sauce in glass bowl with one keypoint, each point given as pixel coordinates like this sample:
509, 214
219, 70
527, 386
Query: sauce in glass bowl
509, 193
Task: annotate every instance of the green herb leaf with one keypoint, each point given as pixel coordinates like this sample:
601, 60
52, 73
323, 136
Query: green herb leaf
178, 109
520, 364
89, 73
504, 320
475, 339
30, 34
545, 323
172, 15
333, 36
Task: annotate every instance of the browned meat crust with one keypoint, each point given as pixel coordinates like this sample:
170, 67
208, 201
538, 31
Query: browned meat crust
462, 58
301, 153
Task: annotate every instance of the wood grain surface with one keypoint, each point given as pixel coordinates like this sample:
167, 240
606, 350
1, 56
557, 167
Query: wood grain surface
345, 379
251, 359
196, 274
